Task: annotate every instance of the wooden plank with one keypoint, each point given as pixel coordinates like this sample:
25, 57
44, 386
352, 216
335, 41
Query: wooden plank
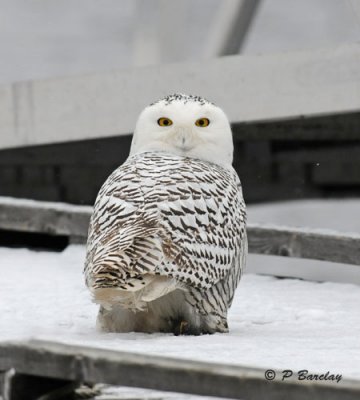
337, 174
315, 244
64, 219
250, 88
80, 154
326, 127
35, 191
93, 365
44, 217
338, 153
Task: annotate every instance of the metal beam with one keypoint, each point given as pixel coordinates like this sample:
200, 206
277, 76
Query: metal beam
232, 24
249, 88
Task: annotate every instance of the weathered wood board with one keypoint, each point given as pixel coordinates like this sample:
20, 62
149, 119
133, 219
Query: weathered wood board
73, 221
55, 360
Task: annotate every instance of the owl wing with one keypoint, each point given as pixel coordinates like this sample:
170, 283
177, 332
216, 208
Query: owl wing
208, 243
205, 225
120, 234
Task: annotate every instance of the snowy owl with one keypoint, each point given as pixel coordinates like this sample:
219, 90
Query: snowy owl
167, 241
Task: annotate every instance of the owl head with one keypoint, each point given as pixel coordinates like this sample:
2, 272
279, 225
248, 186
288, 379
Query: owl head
185, 125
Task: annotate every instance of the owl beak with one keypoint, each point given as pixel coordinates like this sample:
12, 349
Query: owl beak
183, 138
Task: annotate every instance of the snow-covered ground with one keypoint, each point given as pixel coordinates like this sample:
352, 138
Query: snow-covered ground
274, 323
279, 323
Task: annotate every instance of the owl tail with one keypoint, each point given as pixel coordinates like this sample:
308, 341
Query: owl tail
129, 257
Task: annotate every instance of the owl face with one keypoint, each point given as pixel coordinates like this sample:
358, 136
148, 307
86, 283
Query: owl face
185, 125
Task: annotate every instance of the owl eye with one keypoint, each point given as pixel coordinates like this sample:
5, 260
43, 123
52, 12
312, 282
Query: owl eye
202, 122
164, 121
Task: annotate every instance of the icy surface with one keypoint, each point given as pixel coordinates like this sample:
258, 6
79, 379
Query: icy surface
278, 323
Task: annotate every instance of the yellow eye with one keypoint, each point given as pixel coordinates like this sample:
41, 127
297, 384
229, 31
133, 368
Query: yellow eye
202, 122
164, 121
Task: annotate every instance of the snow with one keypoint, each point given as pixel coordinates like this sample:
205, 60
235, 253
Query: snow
274, 323
40, 205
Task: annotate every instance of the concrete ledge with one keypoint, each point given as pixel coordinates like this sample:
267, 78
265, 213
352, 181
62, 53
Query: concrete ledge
249, 88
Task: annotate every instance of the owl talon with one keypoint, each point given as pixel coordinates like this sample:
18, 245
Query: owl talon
180, 327
183, 327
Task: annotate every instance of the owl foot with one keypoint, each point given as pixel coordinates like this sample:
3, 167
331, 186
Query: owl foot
182, 328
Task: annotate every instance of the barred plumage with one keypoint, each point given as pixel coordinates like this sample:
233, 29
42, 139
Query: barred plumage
171, 216
167, 244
